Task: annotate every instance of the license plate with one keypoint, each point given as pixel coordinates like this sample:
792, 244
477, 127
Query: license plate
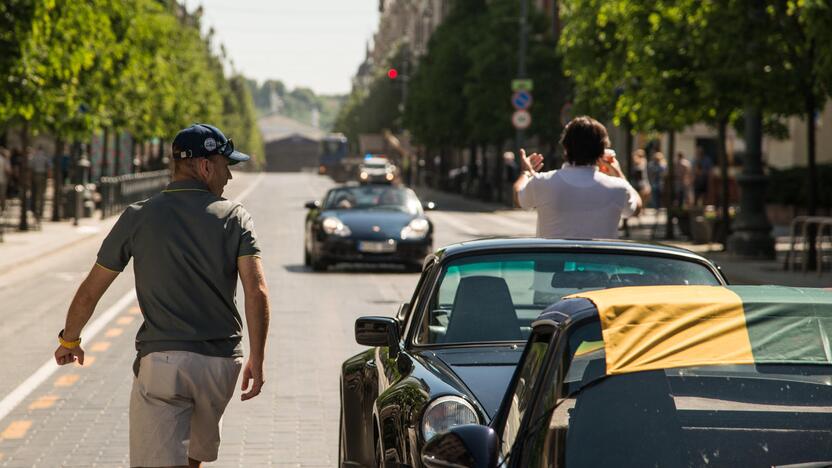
377, 247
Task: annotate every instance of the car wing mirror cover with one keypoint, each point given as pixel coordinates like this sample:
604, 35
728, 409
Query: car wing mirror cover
312, 205
471, 445
378, 331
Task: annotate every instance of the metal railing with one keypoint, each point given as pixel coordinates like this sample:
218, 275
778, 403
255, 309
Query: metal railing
800, 233
119, 191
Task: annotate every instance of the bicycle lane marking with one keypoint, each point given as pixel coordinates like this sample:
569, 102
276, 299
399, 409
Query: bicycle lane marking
16, 396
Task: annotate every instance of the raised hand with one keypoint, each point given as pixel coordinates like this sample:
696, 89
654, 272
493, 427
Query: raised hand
531, 163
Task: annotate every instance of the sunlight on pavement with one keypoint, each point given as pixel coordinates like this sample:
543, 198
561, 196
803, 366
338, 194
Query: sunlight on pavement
44, 402
88, 360
113, 332
135, 311
100, 346
16, 430
67, 380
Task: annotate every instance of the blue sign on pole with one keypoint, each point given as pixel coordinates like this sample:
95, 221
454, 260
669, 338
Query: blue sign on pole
521, 100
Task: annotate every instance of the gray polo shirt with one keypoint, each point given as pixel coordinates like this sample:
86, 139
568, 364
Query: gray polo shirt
185, 242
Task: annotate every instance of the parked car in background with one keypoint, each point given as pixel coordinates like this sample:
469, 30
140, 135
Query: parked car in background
367, 224
377, 170
664, 376
447, 356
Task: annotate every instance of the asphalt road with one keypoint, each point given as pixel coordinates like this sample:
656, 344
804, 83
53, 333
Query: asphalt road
75, 416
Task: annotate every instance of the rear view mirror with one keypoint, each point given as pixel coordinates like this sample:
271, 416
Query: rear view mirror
378, 331
312, 205
470, 445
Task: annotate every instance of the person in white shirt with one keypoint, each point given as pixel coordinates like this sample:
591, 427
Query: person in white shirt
587, 197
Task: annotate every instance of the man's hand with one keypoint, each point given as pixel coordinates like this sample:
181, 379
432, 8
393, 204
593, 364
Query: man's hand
531, 163
68, 356
252, 373
608, 164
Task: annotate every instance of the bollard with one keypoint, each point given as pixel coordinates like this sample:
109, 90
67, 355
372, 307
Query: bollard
79, 191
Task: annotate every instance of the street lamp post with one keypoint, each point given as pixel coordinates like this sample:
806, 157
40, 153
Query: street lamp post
521, 61
752, 232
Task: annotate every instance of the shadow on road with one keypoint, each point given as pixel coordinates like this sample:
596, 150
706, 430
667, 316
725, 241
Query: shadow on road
353, 268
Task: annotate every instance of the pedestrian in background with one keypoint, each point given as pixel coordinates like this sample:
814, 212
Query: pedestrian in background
656, 170
579, 201
39, 166
683, 173
702, 166
189, 245
639, 174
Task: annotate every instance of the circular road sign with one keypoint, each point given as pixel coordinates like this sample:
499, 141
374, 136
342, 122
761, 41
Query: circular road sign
521, 99
521, 119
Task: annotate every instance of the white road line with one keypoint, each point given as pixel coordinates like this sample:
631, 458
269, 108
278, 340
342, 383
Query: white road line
457, 224
16, 396
10, 401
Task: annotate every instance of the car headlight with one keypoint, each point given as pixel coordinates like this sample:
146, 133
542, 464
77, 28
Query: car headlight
417, 229
389, 176
363, 176
446, 412
336, 227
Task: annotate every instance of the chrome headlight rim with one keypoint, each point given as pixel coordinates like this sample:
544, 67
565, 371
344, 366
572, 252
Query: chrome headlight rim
442, 400
335, 227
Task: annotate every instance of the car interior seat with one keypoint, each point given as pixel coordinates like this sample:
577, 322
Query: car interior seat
483, 311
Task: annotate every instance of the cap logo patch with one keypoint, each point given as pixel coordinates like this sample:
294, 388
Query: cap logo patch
210, 144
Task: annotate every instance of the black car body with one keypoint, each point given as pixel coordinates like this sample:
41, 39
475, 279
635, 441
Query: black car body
664, 376
367, 223
451, 351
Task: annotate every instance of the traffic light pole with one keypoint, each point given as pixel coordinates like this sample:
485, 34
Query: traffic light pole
521, 61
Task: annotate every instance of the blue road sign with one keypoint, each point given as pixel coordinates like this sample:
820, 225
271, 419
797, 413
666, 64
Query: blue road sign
521, 100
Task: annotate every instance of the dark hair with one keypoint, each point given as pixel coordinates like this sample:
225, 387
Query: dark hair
584, 140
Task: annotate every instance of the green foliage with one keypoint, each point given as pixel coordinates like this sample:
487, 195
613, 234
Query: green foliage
140, 66
297, 104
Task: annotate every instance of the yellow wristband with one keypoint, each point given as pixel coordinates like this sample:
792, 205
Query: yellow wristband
68, 344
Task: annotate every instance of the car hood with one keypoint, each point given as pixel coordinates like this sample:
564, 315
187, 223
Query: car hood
361, 222
484, 372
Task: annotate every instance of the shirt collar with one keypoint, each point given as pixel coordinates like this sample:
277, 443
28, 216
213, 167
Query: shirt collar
567, 165
186, 185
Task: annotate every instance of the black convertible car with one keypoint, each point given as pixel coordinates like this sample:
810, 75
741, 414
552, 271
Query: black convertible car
367, 223
447, 356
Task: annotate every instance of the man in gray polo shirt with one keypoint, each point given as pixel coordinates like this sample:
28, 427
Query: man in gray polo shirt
188, 246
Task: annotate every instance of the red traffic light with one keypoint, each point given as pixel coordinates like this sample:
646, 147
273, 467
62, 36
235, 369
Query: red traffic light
392, 73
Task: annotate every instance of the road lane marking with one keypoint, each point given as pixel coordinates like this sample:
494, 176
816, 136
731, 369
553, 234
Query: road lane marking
251, 187
17, 429
67, 380
44, 402
100, 347
88, 360
125, 320
114, 332
457, 224
16, 396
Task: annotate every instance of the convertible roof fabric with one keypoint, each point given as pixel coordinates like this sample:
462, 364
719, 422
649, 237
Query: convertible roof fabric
660, 327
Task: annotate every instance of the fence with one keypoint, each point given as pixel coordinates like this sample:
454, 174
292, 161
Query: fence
120, 191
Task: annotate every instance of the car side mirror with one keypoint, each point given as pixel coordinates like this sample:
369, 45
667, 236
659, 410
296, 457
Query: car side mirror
312, 205
378, 331
429, 206
470, 445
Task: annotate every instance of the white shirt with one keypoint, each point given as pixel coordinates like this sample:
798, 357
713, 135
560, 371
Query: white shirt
578, 202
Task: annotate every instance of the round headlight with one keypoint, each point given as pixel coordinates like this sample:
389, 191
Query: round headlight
336, 227
446, 412
416, 229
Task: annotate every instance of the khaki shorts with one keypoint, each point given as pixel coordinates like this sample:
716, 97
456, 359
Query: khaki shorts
176, 407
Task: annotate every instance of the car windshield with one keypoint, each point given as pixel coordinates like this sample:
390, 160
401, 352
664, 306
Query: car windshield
496, 297
715, 416
373, 197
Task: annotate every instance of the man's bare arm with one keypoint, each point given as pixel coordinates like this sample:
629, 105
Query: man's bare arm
80, 310
257, 318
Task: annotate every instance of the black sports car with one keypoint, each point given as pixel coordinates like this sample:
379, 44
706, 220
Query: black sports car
447, 356
367, 223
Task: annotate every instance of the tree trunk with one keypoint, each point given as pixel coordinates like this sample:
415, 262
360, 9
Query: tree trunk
105, 153
24, 178
670, 186
724, 202
57, 180
117, 154
812, 181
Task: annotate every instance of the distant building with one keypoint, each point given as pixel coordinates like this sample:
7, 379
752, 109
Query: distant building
291, 146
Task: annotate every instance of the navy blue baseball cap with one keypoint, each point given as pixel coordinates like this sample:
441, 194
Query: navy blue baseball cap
201, 141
